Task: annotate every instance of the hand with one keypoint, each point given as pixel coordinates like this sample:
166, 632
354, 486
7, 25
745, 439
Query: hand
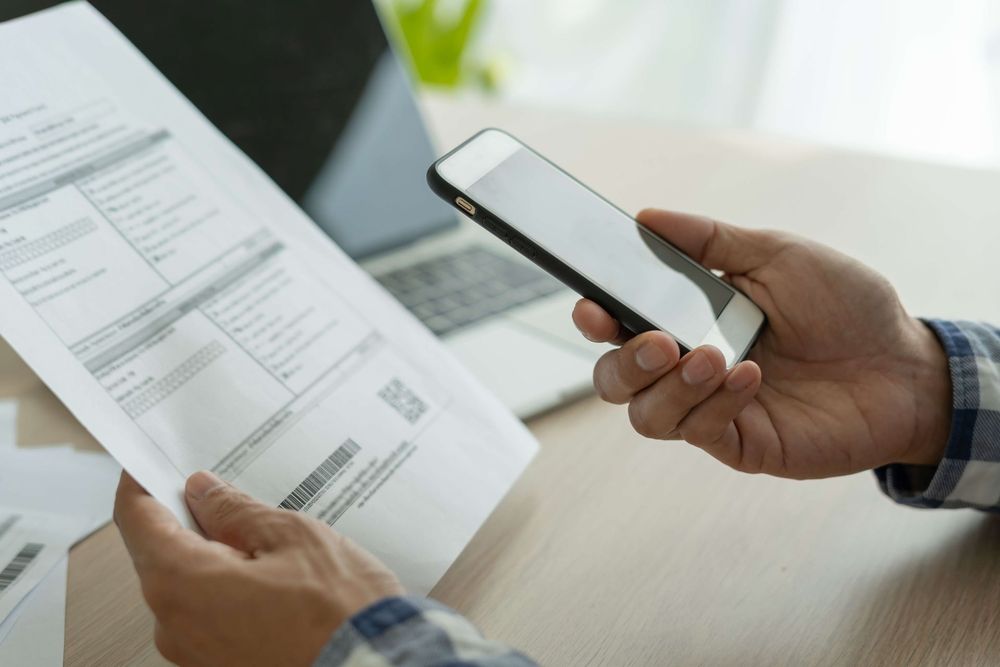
841, 380
269, 586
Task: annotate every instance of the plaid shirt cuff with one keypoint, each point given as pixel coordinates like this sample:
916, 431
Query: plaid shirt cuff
969, 473
413, 632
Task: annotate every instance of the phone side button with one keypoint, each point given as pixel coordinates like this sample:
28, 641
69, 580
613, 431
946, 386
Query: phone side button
491, 225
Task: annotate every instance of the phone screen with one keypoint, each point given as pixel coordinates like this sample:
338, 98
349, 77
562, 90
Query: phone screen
603, 244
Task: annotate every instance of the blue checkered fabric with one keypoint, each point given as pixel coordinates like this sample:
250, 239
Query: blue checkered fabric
969, 473
414, 632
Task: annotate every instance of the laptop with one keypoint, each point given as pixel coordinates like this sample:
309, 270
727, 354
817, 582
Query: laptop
505, 319
312, 92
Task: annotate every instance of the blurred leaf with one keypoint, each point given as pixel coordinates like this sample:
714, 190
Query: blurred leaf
437, 48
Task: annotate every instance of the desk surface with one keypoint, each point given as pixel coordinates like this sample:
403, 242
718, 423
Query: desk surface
616, 550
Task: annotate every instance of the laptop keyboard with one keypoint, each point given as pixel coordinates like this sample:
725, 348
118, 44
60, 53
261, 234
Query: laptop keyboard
456, 290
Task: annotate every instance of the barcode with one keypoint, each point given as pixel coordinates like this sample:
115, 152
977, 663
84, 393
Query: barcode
403, 400
320, 477
20, 563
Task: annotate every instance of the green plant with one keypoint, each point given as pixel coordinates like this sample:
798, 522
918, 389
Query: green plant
437, 47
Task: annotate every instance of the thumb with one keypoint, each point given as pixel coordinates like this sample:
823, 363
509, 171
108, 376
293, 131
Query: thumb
715, 245
228, 515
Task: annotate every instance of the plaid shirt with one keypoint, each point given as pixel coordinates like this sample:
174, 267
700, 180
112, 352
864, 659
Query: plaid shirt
969, 473
414, 632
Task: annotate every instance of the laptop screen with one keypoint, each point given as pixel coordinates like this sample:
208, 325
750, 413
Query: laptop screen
371, 194
310, 91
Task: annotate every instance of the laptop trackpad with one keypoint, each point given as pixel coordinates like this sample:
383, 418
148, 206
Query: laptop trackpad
527, 372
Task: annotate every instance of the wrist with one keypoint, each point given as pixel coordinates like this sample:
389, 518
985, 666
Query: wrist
930, 380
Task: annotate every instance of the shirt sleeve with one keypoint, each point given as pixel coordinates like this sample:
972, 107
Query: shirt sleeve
414, 632
969, 473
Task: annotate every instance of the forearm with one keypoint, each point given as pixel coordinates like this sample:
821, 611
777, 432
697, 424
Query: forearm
414, 632
968, 475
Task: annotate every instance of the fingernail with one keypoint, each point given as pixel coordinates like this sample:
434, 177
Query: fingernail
698, 369
200, 483
649, 357
739, 379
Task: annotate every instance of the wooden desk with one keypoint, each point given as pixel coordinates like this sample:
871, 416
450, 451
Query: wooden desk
614, 550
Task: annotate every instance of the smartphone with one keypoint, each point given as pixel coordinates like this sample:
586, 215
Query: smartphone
592, 246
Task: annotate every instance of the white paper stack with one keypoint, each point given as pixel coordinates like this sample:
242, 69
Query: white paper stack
50, 498
36, 629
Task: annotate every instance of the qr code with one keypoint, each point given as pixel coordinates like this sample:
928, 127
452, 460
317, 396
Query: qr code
402, 399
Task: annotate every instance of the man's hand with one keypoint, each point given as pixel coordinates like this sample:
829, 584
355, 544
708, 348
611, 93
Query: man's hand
268, 587
841, 380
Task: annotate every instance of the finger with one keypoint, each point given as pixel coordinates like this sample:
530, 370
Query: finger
715, 245
230, 516
657, 411
710, 424
596, 325
150, 531
621, 374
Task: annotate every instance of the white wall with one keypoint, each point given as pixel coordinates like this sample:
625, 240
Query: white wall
903, 76
911, 77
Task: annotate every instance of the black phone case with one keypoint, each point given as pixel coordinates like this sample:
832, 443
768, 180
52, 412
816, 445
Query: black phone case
631, 320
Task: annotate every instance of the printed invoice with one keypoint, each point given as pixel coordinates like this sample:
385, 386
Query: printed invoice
192, 317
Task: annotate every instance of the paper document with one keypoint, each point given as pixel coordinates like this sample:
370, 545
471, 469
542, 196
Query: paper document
35, 633
191, 316
30, 544
60, 480
62, 495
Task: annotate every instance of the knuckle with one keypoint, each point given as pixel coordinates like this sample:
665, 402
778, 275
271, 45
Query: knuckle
310, 591
608, 378
600, 388
786, 242
601, 377
291, 523
281, 527
340, 542
226, 504
316, 532
638, 415
700, 432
